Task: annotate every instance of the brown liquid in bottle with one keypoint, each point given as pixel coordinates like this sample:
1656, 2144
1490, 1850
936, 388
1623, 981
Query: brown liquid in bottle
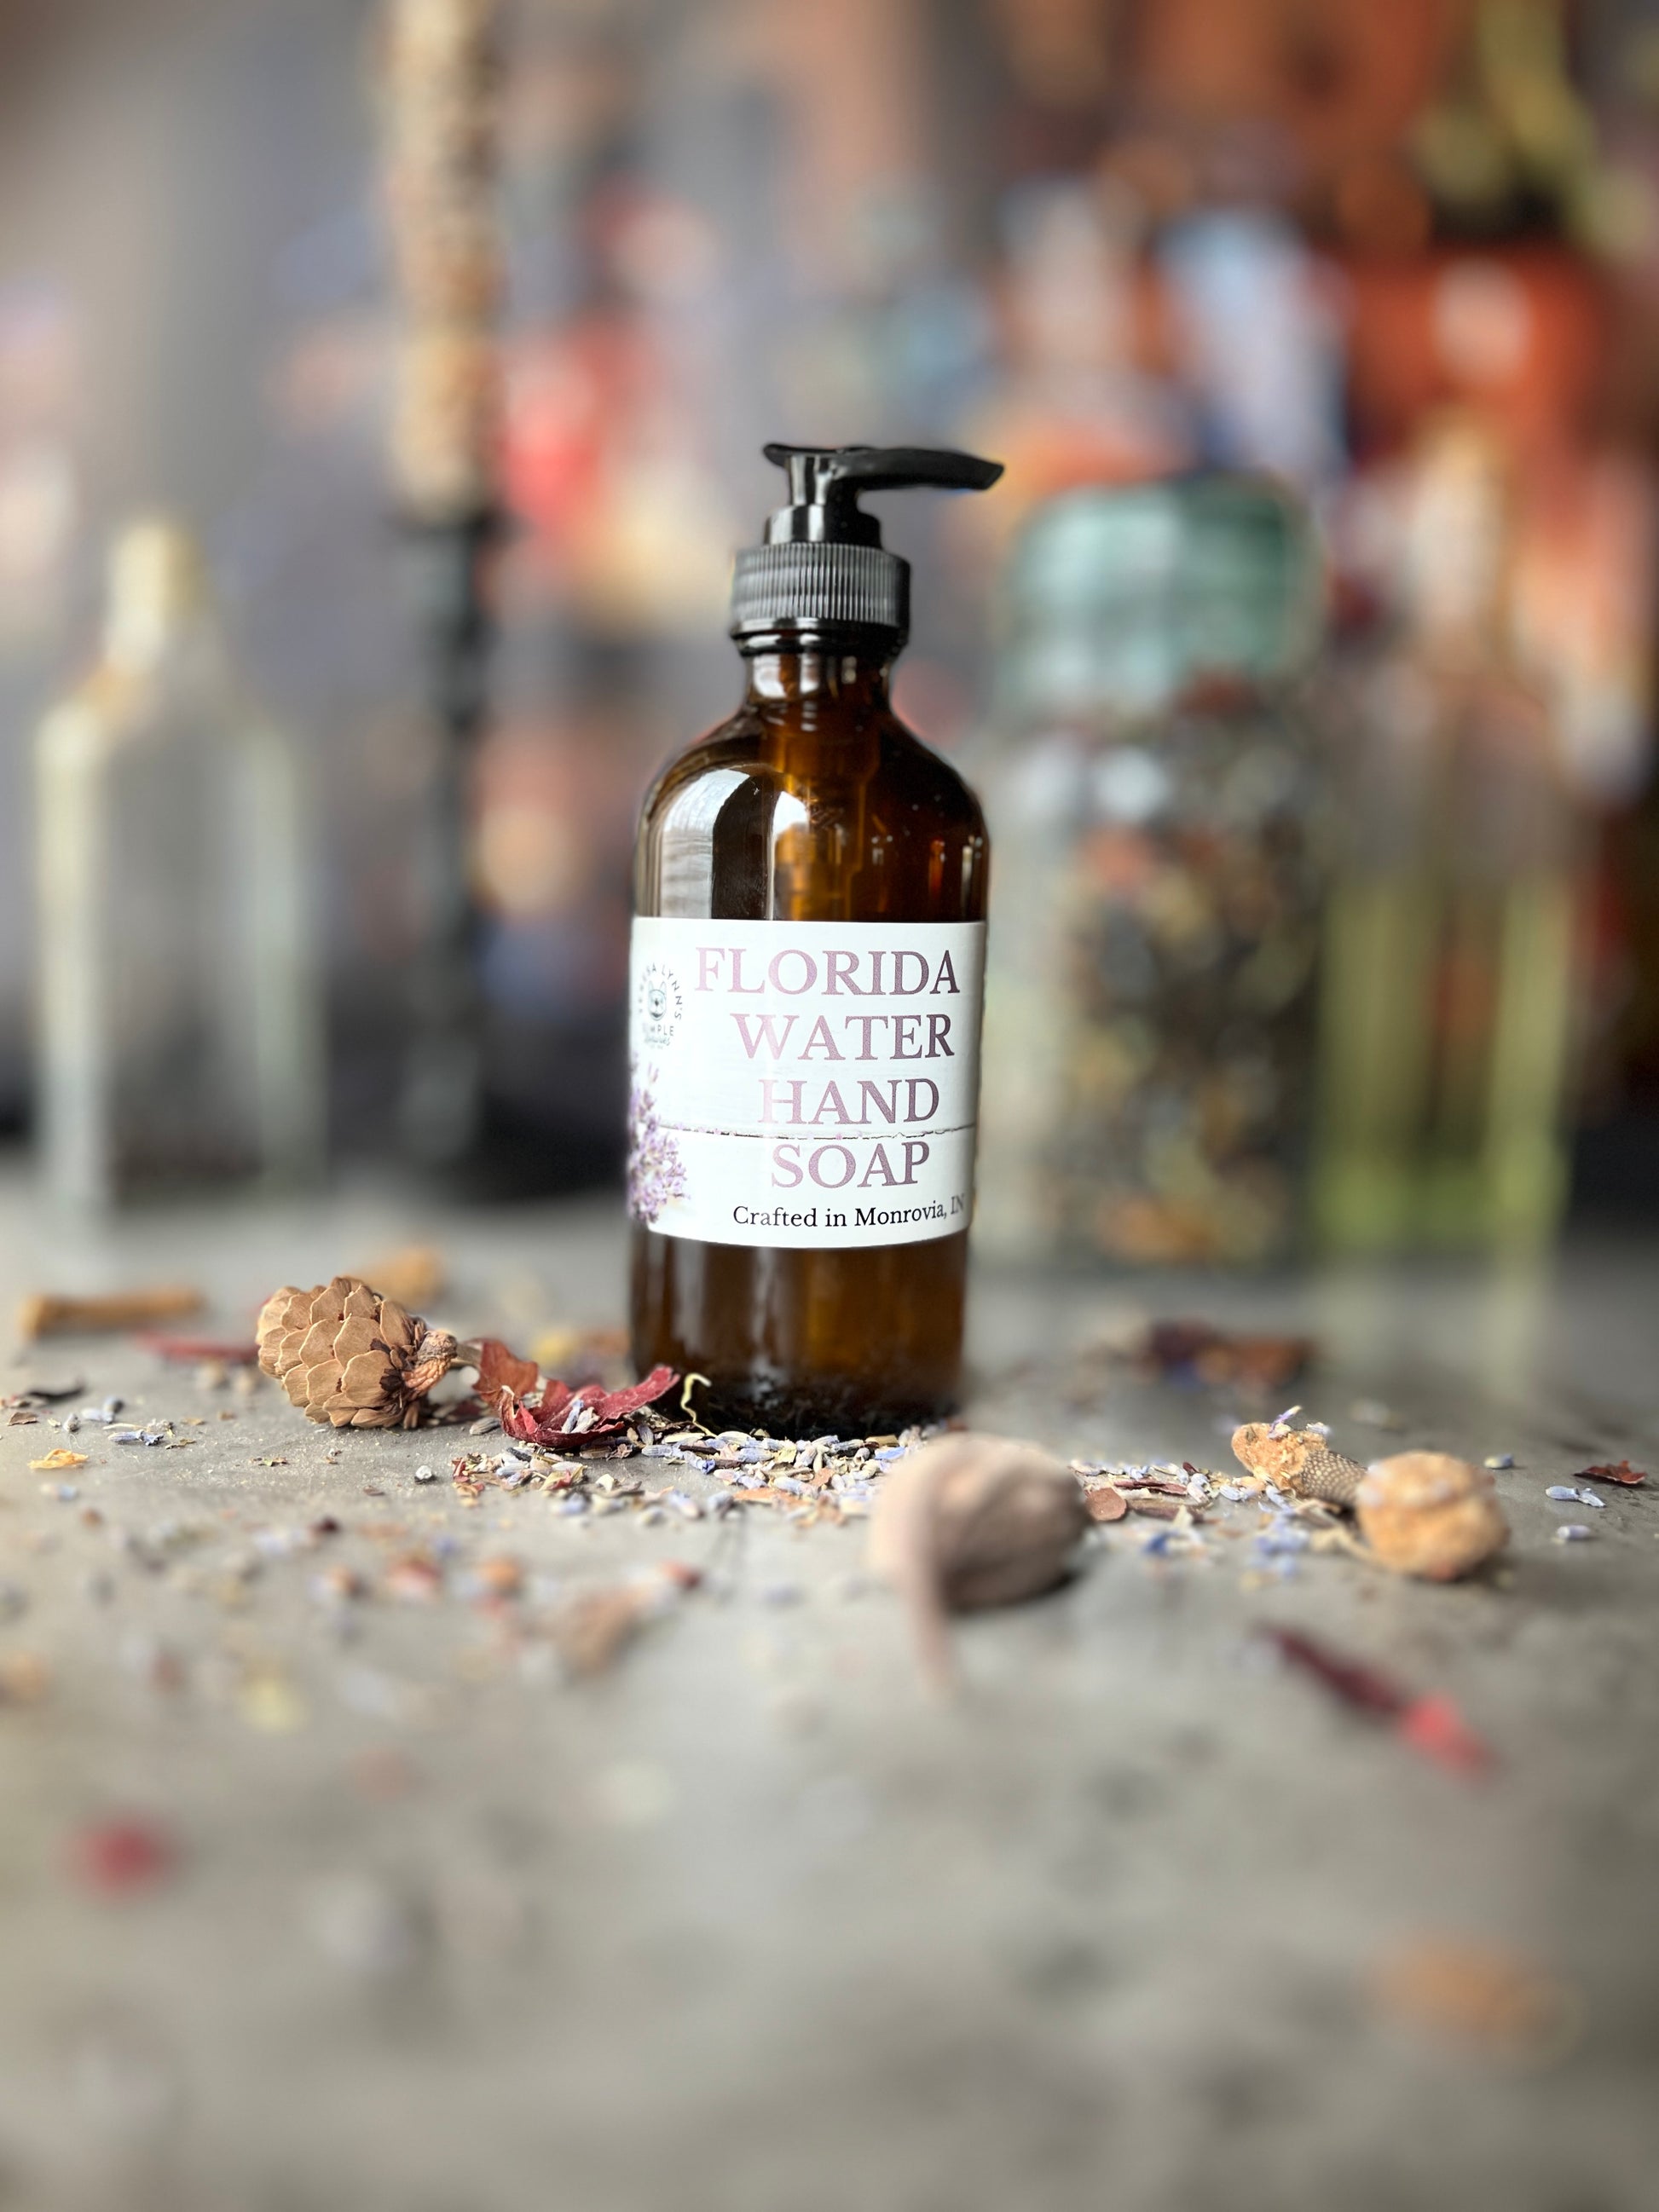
863, 1338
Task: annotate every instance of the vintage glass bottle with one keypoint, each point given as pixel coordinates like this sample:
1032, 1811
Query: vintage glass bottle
810, 896
1458, 954
178, 1031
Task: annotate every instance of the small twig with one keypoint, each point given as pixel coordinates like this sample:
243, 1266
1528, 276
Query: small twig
685, 1402
47, 1314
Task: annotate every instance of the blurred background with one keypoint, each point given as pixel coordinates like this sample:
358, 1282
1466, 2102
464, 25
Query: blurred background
1319, 337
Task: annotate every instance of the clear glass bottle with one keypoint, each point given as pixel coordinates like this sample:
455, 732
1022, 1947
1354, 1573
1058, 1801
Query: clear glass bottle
178, 1026
1155, 800
1456, 963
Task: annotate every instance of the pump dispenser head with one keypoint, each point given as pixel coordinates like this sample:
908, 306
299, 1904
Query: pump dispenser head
823, 562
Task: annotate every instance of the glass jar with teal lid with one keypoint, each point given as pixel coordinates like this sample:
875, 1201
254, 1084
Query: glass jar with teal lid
1156, 804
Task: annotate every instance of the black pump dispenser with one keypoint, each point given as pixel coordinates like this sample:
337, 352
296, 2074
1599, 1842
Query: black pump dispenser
823, 562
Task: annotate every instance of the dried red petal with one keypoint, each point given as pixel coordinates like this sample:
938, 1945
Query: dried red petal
499, 1369
549, 1423
1430, 1724
617, 1404
1434, 1726
1624, 1473
119, 1857
1350, 1679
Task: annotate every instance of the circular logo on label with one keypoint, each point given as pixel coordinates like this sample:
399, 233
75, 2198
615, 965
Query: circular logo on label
661, 1003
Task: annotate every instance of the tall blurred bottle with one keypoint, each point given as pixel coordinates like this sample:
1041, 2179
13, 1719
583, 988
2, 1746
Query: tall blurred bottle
178, 1031
1456, 948
1156, 798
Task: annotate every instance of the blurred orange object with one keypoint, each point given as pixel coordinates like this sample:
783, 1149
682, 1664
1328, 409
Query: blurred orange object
1479, 1994
1340, 82
1519, 331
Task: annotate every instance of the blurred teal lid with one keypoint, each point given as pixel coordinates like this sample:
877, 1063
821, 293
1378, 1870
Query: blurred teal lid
1127, 595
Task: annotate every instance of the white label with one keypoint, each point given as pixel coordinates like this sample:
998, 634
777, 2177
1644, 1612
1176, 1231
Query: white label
804, 1082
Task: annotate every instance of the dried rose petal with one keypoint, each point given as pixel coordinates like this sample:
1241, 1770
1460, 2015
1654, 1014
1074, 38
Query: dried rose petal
565, 1416
1434, 1726
1624, 1473
117, 1859
1352, 1681
501, 1369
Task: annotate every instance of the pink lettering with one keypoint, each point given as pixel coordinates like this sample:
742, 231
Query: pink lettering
840, 968
766, 1031
809, 971
818, 1167
771, 1087
821, 1041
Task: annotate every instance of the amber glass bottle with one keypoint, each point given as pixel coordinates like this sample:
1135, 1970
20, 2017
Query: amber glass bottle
810, 897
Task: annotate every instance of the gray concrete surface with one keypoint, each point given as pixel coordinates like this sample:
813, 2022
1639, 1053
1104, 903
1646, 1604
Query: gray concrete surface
749, 1924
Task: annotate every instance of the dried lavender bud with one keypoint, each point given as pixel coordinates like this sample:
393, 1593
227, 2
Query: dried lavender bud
970, 1521
1298, 1460
1426, 1513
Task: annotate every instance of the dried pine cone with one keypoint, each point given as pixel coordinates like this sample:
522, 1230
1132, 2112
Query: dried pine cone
350, 1357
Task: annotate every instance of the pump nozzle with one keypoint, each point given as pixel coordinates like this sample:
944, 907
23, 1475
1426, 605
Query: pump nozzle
825, 481
822, 561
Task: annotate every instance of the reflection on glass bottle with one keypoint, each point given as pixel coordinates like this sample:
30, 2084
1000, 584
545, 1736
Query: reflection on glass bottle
1154, 802
178, 1037
1455, 945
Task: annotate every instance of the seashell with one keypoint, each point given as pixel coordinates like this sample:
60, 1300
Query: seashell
973, 1521
1426, 1513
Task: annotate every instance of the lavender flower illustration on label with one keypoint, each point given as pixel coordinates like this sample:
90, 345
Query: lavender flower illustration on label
656, 1173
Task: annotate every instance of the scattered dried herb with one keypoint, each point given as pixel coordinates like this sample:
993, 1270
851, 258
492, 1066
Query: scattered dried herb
593, 1630
416, 1579
25, 1677
1194, 1351
1478, 1993
1103, 1501
40, 1394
